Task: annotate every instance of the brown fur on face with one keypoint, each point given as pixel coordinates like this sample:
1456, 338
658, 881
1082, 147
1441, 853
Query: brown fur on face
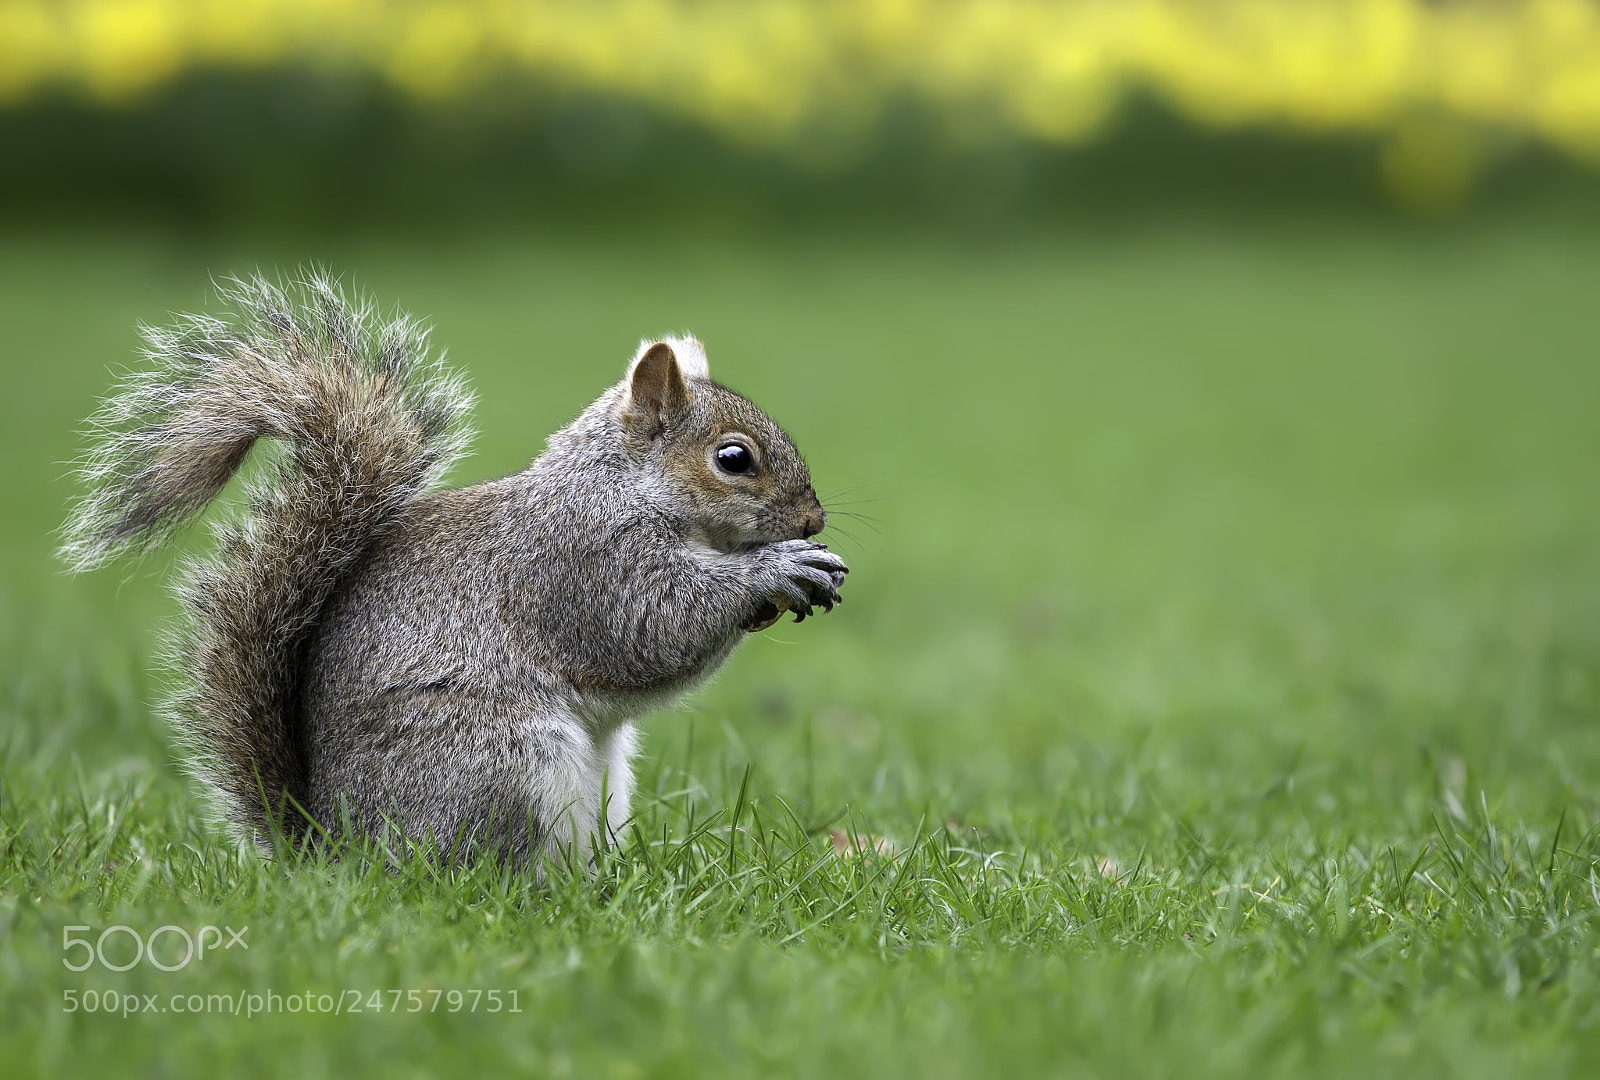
685, 421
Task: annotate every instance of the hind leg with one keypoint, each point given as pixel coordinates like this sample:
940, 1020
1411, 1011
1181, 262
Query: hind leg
477, 775
457, 768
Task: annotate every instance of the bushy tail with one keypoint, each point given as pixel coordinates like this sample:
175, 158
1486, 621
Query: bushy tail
370, 421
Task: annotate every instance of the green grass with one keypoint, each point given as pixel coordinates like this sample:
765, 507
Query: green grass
1221, 660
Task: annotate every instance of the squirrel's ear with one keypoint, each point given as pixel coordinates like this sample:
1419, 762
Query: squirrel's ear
656, 390
690, 354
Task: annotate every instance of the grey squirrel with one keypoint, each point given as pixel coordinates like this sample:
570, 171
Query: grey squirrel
467, 664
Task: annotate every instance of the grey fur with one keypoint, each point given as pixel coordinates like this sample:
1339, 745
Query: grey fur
465, 664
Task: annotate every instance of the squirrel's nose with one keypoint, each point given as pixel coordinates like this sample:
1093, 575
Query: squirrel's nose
816, 521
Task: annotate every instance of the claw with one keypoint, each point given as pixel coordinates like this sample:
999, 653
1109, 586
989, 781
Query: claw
813, 576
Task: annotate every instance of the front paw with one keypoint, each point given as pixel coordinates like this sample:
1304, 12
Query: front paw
805, 575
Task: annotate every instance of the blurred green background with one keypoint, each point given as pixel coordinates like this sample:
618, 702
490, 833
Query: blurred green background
1215, 385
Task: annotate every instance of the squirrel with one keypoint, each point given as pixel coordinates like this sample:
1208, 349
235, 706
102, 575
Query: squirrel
467, 665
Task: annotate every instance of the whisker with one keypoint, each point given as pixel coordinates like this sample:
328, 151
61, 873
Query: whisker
835, 493
865, 519
846, 535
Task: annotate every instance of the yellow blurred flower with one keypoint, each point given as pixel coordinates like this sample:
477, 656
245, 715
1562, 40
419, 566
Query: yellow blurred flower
770, 71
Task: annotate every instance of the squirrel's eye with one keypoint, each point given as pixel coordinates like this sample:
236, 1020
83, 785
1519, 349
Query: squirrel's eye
733, 458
